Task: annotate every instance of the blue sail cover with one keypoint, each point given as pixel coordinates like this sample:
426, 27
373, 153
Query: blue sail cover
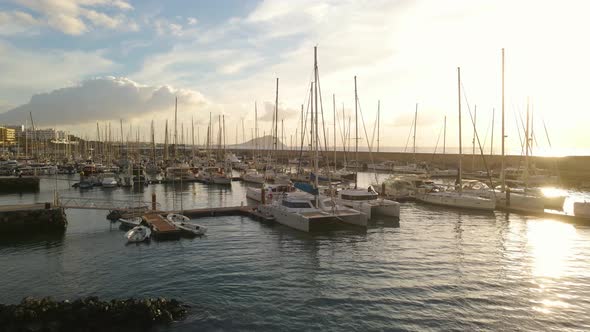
306, 187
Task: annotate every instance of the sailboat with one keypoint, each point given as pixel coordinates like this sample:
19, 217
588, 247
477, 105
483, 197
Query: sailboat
522, 201
308, 211
457, 197
365, 201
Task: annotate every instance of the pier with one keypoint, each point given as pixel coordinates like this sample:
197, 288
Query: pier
32, 218
13, 184
162, 228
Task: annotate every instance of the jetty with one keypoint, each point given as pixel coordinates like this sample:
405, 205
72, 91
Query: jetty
32, 218
13, 184
162, 228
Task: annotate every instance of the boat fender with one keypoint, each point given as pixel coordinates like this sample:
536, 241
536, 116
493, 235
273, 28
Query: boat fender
270, 196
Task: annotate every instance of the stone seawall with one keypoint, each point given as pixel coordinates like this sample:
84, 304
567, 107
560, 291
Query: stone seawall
35, 218
15, 184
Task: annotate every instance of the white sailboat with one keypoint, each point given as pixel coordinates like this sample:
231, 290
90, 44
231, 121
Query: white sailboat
521, 201
366, 201
304, 211
457, 197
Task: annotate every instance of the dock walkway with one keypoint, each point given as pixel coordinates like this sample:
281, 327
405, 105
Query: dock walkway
163, 229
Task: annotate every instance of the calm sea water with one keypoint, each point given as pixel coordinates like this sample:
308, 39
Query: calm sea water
435, 269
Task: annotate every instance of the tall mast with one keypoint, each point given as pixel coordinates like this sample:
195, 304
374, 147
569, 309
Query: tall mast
334, 106
193, 136
255, 128
460, 143
166, 141
356, 138
302, 131
316, 138
473, 141
175, 125
445, 135
503, 135
492, 138
378, 121
415, 125
276, 115
526, 156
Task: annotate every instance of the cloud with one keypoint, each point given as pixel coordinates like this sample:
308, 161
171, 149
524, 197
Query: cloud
71, 17
18, 22
27, 72
102, 99
192, 20
284, 113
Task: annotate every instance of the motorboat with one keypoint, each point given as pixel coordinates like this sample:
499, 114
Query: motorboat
131, 222
368, 202
138, 234
401, 188
109, 180
182, 223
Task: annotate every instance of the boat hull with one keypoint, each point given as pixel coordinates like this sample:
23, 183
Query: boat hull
458, 201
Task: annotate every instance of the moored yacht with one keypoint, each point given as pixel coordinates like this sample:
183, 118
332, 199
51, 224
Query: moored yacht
368, 202
299, 210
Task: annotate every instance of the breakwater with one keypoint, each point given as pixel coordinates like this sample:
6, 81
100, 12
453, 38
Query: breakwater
89, 314
32, 218
13, 184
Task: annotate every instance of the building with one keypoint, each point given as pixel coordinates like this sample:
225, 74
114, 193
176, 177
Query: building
7, 136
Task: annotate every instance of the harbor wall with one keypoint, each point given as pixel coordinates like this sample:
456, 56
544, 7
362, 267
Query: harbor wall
573, 170
37, 218
13, 184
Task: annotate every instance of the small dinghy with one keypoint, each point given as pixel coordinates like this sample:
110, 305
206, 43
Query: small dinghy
138, 234
182, 222
129, 223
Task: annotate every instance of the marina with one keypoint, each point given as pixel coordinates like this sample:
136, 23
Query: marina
294, 166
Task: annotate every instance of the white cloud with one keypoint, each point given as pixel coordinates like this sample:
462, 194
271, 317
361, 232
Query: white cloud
103, 99
192, 20
73, 16
49, 68
18, 22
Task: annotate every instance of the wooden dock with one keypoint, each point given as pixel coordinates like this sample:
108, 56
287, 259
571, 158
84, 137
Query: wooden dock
162, 228
247, 211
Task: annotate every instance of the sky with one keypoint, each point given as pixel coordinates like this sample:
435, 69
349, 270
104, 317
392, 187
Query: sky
73, 63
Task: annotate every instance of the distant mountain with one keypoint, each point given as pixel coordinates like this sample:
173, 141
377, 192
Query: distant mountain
265, 142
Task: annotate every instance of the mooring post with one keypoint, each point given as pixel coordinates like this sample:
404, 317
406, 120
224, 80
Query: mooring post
262, 196
154, 201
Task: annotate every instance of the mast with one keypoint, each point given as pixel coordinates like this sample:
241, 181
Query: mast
175, 125
460, 143
334, 106
526, 156
502, 176
473, 141
445, 135
193, 135
356, 138
255, 129
492, 138
166, 141
276, 117
378, 121
316, 161
415, 125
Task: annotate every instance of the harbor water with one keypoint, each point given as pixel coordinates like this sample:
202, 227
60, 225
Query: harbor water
434, 269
